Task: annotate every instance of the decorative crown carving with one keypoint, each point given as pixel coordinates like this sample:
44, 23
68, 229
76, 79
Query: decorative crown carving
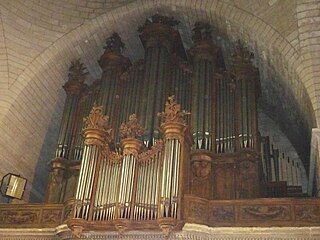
201, 31
114, 43
242, 54
242, 63
131, 129
76, 77
77, 71
97, 120
170, 21
173, 112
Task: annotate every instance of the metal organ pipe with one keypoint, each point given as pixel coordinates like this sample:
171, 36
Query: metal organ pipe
95, 134
245, 76
113, 65
74, 86
204, 60
159, 38
87, 99
173, 128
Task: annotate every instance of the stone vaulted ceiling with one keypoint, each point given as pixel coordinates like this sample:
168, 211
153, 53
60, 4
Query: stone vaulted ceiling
39, 39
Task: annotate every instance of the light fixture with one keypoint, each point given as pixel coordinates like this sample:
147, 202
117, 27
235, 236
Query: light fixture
13, 186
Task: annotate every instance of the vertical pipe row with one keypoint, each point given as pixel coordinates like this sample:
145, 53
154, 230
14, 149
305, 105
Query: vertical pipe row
86, 102
170, 179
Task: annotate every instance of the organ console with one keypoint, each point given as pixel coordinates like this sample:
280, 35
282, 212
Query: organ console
132, 162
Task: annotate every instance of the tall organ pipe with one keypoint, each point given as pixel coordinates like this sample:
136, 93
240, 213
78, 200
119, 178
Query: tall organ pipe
158, 38
173, 171
131, 146
246, 77
113, 65
74, 86
204, 61
96, 137
133, 80
88, 98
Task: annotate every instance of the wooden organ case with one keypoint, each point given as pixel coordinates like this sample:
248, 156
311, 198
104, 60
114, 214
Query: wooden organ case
129, 162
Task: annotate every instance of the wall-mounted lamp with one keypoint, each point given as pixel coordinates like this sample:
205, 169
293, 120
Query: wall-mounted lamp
13, 186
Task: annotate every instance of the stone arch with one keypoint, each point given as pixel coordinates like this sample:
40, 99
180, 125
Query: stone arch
37, 93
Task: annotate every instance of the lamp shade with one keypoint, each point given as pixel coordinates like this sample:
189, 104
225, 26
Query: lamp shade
13, 186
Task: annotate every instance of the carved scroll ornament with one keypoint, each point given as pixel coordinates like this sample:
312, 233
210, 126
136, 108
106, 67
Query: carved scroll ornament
131, 129
173, 112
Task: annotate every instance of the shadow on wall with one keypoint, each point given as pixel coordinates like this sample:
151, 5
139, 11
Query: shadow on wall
42, 169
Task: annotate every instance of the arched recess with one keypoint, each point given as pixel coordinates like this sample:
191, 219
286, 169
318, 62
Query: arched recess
37, 96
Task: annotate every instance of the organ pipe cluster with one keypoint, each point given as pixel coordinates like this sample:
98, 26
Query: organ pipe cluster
139, 184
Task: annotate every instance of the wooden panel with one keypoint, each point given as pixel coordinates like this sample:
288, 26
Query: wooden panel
30, 215
259, 212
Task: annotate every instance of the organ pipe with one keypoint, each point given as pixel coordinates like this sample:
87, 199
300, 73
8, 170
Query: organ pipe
97, 135
245, 76
133, 80
74, 86
158, 37
131, 148
204, 60
113, 65
87, 99
172, 173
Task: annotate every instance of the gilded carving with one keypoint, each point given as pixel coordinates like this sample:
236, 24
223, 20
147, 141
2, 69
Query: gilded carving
131, 129
222, 213
96, 119
51, 216
242, 66
55, 185
19, 217
308, 213
197, 210
114, 43
114, 157
173, 112
265, 212
148, 155
67, 213
170, 21
201, 31
76, 77
201, 169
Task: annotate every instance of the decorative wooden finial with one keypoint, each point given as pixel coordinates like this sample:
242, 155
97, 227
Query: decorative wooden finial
241, 54
114, 43
201, 31
76, 77
173, 112
170, 21
131, 129
96, 127
96, 119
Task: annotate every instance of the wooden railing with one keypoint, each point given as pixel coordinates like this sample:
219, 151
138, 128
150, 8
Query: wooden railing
260, 212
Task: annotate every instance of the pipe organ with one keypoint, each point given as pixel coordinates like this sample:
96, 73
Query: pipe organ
140, 170
282, 175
